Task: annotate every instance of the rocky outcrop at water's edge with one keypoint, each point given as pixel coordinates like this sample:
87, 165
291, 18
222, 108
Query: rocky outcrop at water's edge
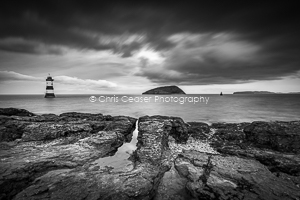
53, 157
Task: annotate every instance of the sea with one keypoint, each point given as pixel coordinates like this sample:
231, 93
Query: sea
208, 108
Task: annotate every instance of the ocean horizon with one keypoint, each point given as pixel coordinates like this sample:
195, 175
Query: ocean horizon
209, 108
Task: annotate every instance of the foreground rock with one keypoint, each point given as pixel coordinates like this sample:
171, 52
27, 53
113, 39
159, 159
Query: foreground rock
15, 112
165, 90
231, 167
279, 136
57, 157
89, 181
274, 144
230, 177
34, 146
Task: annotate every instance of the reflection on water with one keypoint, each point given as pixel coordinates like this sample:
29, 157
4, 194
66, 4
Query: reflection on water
119, 162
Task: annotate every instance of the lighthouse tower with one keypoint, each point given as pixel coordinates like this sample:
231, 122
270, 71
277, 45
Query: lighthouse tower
49, 87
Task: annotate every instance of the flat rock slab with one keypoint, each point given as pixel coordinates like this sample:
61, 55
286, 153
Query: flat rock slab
230, 177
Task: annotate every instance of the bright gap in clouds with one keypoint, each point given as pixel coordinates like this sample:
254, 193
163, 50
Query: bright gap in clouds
150, 55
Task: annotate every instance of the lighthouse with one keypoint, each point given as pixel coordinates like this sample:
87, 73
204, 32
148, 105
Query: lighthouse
49, 87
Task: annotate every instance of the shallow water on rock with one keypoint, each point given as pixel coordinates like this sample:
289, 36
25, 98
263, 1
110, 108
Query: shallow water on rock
119, 161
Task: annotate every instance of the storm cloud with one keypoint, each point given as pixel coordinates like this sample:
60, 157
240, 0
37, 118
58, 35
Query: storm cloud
198, 43
218, 59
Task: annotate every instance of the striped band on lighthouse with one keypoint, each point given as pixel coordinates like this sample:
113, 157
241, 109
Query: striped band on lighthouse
49, 87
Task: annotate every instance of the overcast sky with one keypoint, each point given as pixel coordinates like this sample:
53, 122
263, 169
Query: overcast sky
122, 48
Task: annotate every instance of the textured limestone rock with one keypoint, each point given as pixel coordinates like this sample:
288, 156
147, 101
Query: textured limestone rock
49, 131
41, 144
279, 136
172, 186
223, 177
228, 133
15, 111
11, 129
276, 161
259, 141
199, 130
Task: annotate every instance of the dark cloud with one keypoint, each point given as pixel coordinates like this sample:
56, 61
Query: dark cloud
61, 24
32, 47
218, 59
64, 23
264, 44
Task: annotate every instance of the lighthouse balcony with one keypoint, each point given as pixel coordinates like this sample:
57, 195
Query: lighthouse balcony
49, 88
49, 78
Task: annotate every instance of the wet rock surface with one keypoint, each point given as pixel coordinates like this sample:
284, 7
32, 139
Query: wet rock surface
53, 157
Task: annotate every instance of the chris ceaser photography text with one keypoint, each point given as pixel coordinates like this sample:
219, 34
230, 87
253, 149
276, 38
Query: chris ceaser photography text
147, 99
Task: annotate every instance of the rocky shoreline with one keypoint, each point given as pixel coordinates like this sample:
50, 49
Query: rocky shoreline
52, 157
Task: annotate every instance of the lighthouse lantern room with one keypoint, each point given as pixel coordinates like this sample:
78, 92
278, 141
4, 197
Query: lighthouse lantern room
49, 87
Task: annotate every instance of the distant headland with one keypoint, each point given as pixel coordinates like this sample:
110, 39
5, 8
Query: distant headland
165, 90
254, 92
264, 92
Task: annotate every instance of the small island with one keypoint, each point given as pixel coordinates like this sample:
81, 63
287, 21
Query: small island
165, 90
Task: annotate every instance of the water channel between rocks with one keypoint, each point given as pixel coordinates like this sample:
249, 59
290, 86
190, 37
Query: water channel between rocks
119, 161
